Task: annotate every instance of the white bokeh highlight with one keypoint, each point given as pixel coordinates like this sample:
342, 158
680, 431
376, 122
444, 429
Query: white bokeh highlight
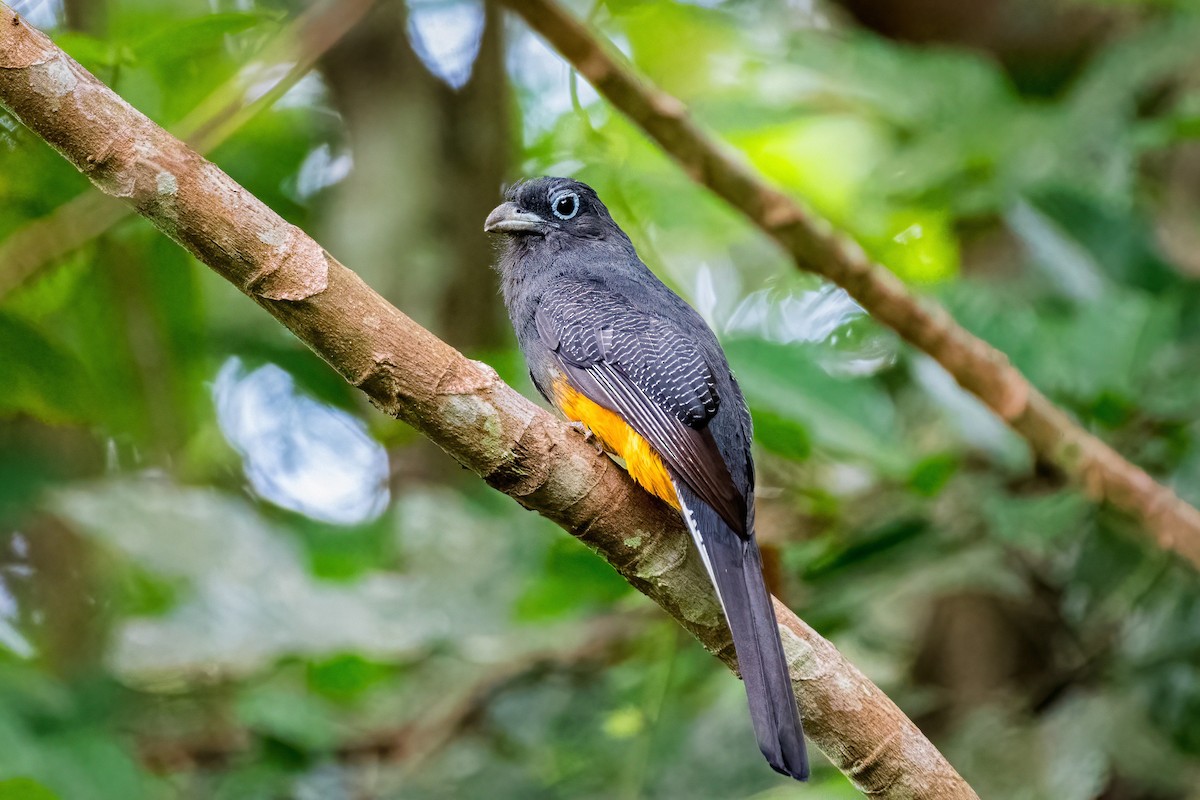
446, 36
298, 453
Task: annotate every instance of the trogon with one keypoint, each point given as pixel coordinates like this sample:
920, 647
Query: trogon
610, 346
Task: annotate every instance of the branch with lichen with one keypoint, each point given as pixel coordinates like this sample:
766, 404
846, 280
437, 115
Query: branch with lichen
460, 404
816, 247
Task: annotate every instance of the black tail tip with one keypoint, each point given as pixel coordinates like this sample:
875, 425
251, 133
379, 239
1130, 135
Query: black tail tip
796, 767
800, 774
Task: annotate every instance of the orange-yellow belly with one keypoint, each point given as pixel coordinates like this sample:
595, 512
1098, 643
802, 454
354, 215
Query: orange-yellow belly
644, 465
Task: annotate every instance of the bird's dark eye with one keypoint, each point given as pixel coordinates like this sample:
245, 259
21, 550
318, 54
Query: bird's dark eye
565, 205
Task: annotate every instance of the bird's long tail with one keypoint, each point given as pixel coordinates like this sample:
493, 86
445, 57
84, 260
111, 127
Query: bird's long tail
735, 566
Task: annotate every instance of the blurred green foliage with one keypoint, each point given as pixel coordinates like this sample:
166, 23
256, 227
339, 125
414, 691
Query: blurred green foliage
181, 616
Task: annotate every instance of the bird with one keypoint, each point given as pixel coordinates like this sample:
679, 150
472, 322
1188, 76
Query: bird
621, 355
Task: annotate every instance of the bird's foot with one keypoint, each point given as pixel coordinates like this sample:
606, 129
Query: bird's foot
588, 436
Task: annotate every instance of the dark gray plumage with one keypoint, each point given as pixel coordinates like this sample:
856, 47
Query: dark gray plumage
588, 311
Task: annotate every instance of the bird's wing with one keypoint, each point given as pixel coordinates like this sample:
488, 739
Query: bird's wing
651, 374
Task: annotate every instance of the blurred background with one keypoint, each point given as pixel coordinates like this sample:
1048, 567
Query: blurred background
224, 575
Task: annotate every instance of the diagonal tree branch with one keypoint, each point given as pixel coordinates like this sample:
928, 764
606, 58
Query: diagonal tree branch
815, 246
460, 404
44, 241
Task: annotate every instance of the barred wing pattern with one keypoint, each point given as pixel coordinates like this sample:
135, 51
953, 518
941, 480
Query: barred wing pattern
650, 373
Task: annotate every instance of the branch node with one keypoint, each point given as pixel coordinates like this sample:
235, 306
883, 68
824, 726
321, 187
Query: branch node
861, 770
464, 376
295, 267
525, 471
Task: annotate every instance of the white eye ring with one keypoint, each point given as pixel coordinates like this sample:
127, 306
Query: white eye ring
561, 196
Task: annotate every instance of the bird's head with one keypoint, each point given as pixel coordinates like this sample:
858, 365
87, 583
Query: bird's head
548, 207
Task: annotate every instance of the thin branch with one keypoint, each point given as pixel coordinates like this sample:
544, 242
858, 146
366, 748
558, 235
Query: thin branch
25, 252
816, 247
461, 405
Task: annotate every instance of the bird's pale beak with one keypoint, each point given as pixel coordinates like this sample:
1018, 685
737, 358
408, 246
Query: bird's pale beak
509, 218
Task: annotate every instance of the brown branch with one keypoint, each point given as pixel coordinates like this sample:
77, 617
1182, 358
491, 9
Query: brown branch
25, 252
460, 404
816, 247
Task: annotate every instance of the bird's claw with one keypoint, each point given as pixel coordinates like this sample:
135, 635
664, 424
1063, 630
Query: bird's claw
588, 436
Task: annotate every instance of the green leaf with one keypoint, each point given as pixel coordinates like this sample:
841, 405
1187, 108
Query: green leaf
181, 41
346, 677
831, 160
52, 289
293, 717
849, 417
25, 789
931, 474
1040, 520
1110, 344
93, 53
573, 579
1174, 704
40, 377
345, 553
918, 244
144, 594
1120, 239
181, 62
868, 547
781, 435
701, 38
825, 158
